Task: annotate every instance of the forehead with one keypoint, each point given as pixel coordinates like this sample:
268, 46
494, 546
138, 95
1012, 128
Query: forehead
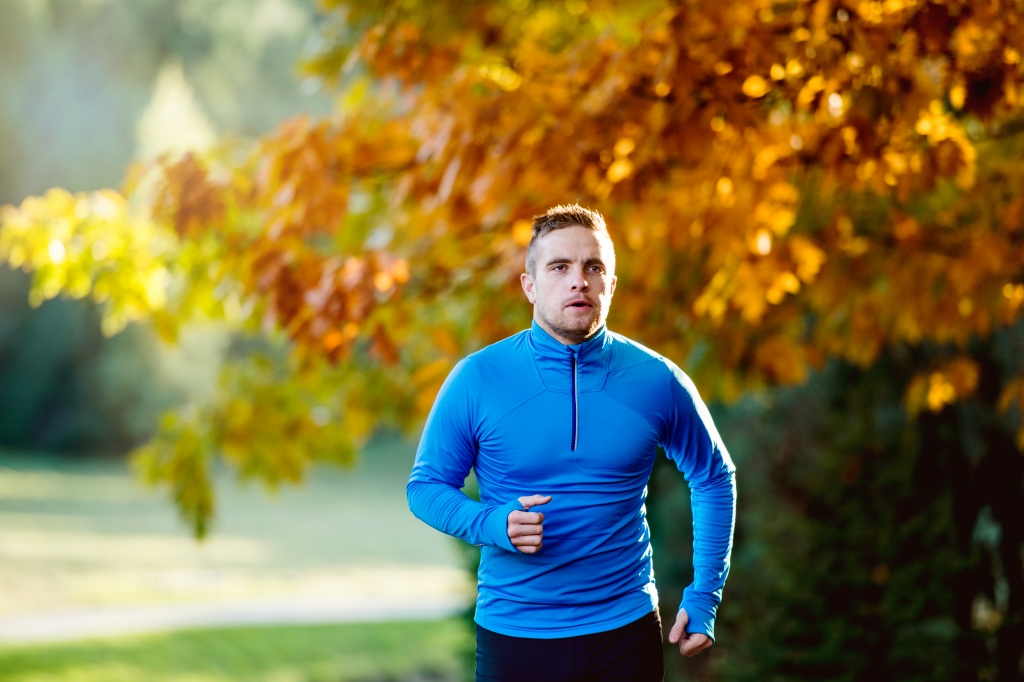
575, 243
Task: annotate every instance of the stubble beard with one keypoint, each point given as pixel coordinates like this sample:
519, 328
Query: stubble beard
578, 332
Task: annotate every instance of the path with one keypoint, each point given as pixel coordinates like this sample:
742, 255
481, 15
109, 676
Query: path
82, 623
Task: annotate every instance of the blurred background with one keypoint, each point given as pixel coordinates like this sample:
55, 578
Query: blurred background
86, 550
212, 375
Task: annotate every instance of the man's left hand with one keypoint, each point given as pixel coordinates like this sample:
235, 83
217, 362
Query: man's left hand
689, 644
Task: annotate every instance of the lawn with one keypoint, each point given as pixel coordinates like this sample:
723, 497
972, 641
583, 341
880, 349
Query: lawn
428, 650
83, 534
79, 533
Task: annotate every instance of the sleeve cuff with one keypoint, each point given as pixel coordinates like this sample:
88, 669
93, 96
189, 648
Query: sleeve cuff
701, 620
498, 526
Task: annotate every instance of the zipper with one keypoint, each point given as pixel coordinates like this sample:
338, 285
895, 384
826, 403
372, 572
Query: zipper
575, 406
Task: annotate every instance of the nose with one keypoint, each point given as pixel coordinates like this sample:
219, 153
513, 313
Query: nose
579, 282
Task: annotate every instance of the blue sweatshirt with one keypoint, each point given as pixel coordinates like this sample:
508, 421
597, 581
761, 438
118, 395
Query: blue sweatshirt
581, 423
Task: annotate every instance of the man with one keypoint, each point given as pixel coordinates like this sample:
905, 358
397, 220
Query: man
561, 423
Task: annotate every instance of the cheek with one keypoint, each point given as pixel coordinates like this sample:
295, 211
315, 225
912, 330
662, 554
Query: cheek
602, 286
547, 288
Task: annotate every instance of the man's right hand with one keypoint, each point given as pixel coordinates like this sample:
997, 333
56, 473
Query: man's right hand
526, 528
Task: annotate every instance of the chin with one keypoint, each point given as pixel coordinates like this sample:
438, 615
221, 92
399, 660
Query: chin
572, 326
578, 328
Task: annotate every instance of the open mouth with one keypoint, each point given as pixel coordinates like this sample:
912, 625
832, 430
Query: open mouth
579, 304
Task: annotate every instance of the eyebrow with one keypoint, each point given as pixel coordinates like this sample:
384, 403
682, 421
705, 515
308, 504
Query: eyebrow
592, 261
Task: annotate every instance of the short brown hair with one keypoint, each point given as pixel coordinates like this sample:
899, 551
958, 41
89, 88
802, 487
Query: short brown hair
572, 215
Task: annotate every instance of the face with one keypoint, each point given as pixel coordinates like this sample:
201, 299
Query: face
572, 287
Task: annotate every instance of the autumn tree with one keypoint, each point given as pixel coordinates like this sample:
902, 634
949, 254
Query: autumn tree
787, 183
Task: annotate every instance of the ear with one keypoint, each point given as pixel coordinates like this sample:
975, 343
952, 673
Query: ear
612, 289
528, 285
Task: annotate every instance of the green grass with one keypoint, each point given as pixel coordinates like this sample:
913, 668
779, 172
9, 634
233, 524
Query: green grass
426, 650
81, 533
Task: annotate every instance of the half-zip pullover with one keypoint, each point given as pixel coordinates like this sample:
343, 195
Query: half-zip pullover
581, 423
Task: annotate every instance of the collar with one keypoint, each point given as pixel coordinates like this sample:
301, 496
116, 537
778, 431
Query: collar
553, 359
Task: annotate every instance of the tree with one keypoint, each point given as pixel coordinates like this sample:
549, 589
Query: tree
871, 545
787, 183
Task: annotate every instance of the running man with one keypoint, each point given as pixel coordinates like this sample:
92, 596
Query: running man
561, 423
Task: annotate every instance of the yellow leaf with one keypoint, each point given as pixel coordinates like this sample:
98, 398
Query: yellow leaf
809, 258
624, 147
788, 282
400, 270
619, 170
522, 232
957, 96
763, 242
942, 386
755, 86
332, 340
430, 373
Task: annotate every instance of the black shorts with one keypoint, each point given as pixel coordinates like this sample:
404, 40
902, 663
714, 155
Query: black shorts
631, 653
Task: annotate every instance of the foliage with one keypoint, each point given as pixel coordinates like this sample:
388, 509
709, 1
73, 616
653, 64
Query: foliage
800, 181
64, 387
871, 545
90, 67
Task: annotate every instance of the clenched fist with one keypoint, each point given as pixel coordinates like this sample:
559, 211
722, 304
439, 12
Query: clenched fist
689, 644
526, 528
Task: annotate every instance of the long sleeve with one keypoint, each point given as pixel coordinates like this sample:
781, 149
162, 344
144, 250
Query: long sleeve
446, 453
693, 443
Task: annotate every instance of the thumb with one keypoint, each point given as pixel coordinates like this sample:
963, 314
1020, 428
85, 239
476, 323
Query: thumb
533, 500
677, 631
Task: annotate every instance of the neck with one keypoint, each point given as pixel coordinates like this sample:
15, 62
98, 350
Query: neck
560, 335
